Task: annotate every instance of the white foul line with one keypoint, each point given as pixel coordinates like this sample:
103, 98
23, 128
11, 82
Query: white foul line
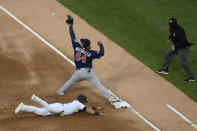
178, 113
60, 53
36, 34
150, 124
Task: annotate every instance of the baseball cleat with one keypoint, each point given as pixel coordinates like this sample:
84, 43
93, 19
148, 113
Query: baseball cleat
162, 71
191, 79
33, 97
61, 93
19, 108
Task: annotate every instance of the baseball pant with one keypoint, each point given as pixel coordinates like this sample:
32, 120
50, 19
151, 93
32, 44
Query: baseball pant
48, 109
182, 53
89, 75
36, 110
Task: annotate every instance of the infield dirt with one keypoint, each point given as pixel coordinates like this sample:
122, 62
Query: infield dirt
28, 66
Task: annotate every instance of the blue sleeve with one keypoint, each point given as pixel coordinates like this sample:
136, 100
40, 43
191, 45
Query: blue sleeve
73, 37
98, 54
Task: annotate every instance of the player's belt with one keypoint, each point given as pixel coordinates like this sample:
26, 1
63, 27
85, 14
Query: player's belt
83, 68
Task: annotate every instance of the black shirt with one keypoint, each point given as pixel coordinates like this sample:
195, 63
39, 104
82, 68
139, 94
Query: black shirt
177, 35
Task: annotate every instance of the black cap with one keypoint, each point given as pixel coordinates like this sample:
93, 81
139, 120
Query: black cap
86, 42
172, 22
82, 98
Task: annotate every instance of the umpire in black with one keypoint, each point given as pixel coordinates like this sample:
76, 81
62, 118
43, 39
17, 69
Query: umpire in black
180, 47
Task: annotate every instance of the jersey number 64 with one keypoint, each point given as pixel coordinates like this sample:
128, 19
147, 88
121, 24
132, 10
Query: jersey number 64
78, 57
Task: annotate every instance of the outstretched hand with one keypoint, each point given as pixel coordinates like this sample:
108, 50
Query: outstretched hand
99, 42
99, 108
168, 41
102, 114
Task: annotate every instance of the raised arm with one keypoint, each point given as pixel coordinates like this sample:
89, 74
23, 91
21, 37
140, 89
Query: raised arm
98, 54
69, 21
72, 35
101, 52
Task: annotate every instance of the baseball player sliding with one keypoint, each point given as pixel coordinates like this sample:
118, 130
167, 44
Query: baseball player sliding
58, 108
83, 57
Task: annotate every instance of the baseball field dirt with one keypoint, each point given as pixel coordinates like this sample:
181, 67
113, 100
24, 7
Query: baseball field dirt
28, 66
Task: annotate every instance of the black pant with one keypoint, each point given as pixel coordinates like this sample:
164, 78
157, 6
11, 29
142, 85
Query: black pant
182, 53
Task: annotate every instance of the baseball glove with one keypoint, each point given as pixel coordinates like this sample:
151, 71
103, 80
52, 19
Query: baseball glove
69, 20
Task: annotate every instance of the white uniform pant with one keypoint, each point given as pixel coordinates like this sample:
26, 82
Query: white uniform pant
36, 110
89, 75
48, 109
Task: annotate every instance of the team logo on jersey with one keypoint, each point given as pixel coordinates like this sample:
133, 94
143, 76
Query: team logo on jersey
174, 34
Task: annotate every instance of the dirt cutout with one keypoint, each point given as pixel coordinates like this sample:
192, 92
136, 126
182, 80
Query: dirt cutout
29, 66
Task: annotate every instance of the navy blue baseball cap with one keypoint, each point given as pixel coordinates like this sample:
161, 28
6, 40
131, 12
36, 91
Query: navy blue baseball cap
86, 42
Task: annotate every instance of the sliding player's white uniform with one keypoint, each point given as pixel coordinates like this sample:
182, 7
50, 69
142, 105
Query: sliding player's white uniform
54, 109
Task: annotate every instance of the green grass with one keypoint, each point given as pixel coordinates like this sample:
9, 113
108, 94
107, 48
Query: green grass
140, 27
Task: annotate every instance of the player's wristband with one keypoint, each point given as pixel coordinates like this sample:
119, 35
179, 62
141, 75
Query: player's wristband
96, 113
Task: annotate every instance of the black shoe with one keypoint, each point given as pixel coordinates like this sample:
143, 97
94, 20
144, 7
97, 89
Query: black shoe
190, 79
162, 71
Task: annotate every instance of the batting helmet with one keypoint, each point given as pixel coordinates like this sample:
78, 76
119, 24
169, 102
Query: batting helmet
82, 98
85, 42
